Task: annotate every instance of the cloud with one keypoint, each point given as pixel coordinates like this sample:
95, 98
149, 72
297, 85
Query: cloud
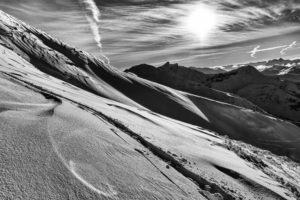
135, 31
206, 55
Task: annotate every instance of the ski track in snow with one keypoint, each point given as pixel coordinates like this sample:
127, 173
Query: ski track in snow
86, 183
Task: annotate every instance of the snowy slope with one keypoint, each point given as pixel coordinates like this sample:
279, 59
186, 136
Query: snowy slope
75, 128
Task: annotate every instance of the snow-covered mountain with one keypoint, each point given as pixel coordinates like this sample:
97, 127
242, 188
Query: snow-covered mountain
270, 93
73, 127
278, 97
289, 72
284, 69
277, 64
188, 80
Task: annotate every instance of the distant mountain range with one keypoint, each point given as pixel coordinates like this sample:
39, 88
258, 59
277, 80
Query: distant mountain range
188, 80
285, 69
271, 89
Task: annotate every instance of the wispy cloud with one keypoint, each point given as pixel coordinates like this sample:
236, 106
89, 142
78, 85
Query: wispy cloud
148, 27
204, 55
152, 31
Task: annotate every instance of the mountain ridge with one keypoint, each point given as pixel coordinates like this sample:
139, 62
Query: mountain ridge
240, 82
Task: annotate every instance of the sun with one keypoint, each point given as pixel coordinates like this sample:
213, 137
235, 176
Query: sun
201, 21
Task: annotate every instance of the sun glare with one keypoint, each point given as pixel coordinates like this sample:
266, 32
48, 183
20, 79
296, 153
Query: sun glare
201, 21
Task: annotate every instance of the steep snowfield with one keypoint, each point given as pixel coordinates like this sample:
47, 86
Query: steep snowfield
74, 128
55, 150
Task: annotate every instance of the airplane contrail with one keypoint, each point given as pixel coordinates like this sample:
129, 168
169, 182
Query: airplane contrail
283, 48
283, 51
91, 5
254, 51
94, 19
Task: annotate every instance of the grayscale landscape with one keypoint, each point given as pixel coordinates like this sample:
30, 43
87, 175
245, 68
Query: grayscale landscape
140, 99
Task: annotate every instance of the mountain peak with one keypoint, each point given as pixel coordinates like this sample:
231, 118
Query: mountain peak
141, 67
169, 65
247, 69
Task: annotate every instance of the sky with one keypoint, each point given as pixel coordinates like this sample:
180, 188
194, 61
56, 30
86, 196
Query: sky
197, 33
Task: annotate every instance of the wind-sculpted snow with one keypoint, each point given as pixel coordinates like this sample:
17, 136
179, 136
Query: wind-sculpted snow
96, 133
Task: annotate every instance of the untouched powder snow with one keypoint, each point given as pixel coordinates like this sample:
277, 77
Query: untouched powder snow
73, 127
